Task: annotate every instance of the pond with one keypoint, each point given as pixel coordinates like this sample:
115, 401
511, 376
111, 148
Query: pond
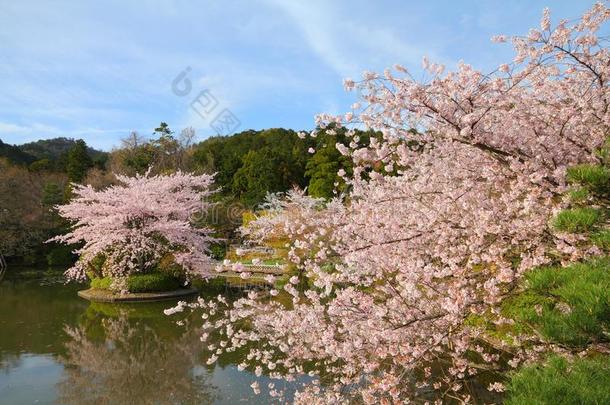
58, 348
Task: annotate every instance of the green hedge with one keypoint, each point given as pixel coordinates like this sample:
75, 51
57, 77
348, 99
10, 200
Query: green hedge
150, 282
101, 283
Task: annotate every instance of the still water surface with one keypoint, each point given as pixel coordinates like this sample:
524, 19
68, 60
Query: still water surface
56, 348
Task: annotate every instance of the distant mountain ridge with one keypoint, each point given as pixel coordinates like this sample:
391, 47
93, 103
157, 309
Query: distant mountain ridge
15, 155
51, 149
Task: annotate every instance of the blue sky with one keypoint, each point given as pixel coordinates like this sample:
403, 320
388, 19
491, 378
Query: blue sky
97, 70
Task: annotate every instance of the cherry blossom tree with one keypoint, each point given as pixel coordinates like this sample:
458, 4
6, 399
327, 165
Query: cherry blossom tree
135, 223
449, 206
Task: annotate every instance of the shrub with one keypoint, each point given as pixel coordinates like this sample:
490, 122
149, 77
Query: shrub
101, 283
558, 381
218, 251
152, 282
569, 305
168, 265
149, 282
577, 219
595, 177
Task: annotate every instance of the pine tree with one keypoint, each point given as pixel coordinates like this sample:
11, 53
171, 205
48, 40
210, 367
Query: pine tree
78, 161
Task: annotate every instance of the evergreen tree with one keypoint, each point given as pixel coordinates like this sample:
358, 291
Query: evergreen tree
257, 176
78, 161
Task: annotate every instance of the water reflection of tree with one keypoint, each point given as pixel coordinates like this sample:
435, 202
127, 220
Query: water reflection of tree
116, 360
9, 361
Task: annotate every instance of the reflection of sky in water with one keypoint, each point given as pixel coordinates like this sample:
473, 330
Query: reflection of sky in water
56, 348
32, 381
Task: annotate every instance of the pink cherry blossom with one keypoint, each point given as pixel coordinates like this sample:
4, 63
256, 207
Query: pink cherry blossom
399, 265
133, 224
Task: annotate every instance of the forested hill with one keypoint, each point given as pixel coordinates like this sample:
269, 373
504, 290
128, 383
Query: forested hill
37, 175
53, 152
247, 164
55, 148
15, 155
251, 163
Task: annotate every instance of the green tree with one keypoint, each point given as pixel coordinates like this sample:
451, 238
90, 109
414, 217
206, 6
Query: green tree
325, 163
257, 176
41, 165
140, 158
322, 171
226, 155
163, 130
52, 194
78, 161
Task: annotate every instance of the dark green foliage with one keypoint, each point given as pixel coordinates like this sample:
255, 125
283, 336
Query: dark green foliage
49, 155
569, 305
54, 149
577, 219
257, 176
52, 194
96, 264
594, 177
60, 255
140, 158
41, 165
78, 161
561, 382
163, 130
152, 282
251, 163
323, 166
15, 155
100, 161
218, 251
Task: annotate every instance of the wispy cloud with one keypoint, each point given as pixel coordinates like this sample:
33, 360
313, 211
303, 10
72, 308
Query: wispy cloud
97, 70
